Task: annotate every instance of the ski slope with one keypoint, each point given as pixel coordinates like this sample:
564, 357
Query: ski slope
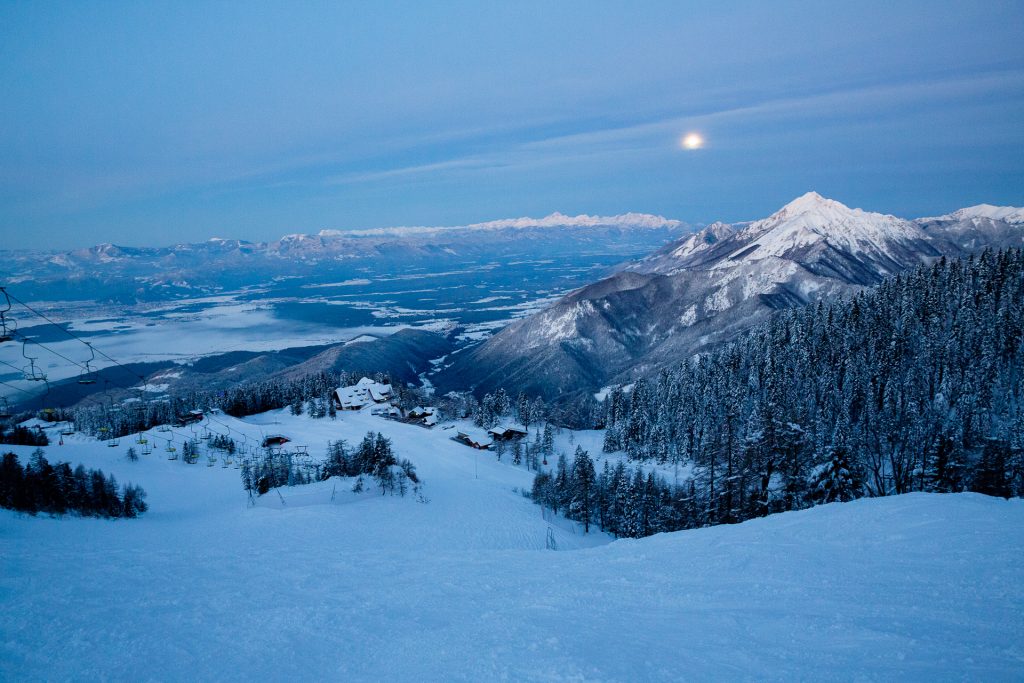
462, 587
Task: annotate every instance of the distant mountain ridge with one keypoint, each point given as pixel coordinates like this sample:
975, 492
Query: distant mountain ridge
702, 289
553, 220
326, 238
214, 265
1009, 214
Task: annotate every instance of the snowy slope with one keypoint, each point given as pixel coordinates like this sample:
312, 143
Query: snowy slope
461, 588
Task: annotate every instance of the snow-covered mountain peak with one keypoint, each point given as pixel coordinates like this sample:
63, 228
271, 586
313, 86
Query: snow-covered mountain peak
974, 227
1008, 214
102, 253
809, 201
703, 239
553, 220
811, 219
296, 237
820, 214
801, 232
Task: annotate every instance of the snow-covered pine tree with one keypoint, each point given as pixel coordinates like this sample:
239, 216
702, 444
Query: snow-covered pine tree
833, 481
584, 480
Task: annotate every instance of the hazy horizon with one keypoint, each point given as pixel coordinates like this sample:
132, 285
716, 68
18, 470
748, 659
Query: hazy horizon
145, 124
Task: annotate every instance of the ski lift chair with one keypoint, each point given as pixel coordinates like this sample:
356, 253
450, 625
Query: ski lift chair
31, 372
7, 327
84, 377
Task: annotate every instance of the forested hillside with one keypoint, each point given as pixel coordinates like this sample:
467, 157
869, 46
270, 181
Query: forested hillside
915, 385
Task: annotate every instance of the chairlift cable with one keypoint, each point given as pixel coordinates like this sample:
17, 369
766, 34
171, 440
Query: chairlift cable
75, 336
17, 388
12, 366
94, 350
22, 370
29, 340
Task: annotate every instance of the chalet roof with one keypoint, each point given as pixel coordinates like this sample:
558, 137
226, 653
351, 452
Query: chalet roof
363, 393
477, 436
502, 430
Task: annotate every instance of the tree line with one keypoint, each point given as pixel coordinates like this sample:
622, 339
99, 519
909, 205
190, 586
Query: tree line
374, 457
56, 489
310, 395
19, 435
631, 503
915, 385
245, 399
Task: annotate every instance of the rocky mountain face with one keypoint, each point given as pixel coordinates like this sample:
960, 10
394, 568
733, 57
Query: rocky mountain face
703, 289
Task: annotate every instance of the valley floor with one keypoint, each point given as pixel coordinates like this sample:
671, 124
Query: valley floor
462, 587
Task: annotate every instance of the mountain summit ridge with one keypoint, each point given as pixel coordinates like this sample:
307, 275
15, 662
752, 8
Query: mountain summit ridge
704, 288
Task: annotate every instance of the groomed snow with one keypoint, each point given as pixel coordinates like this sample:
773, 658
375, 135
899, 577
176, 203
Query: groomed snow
462, 588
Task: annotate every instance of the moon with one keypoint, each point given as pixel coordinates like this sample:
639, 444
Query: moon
692, 141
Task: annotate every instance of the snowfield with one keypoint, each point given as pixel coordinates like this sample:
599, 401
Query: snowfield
462, 587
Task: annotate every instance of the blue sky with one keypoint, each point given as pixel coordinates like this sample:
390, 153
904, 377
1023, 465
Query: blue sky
153, 123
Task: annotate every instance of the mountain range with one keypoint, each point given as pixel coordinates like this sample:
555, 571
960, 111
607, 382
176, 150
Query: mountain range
129, 274
704, 288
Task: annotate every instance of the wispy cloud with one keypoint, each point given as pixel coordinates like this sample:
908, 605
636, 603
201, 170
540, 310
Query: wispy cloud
828, 107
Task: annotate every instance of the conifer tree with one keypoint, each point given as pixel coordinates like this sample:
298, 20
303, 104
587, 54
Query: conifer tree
834, 481
584, 478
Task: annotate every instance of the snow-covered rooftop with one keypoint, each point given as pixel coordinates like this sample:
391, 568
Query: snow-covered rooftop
503, 429
362, 393
477, 436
